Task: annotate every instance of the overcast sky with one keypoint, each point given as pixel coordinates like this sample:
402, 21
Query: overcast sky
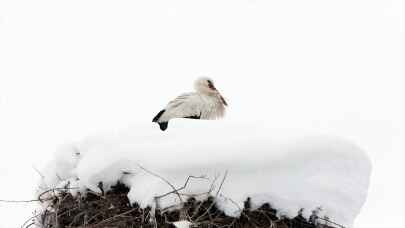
74, 68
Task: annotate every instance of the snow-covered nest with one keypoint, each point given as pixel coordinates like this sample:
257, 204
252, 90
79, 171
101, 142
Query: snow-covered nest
269, 166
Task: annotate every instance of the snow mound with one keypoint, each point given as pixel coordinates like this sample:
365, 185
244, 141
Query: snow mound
182, 224
230, 162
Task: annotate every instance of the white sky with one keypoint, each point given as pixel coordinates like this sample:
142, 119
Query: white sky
69, 69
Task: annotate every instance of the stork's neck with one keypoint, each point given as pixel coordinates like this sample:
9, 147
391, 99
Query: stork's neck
213, 98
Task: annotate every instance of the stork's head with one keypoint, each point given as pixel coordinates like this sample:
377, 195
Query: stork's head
206, 86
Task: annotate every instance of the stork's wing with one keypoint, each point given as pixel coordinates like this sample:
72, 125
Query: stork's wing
185, 105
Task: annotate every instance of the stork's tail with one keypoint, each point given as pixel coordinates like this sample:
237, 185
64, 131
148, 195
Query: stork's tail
162, 125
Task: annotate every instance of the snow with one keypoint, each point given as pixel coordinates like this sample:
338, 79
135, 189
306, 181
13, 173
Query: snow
229, 161
182, 224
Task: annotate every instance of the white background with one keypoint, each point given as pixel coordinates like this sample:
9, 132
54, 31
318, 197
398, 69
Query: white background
69, 69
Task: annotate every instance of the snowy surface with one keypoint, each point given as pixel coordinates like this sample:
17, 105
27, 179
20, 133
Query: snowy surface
290, 171
182, 224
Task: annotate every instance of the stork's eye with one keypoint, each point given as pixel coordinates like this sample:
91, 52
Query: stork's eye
210, 84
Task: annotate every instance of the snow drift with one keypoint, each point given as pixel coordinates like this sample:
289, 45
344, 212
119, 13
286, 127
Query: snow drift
269, 166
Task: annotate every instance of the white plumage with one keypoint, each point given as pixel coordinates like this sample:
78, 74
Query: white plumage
205, 103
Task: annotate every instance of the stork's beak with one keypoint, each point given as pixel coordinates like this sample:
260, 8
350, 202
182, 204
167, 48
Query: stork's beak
223, 100
211, 86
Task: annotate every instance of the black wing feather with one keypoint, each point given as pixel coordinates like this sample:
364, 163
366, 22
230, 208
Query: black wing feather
156, 118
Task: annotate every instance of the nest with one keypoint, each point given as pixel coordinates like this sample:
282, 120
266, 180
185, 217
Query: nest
113, 209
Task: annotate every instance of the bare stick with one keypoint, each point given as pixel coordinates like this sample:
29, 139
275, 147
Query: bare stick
19, 201
166, 181
183, 187
208, 193
216, 195
35, 200
39, 173
51, 190
116, 216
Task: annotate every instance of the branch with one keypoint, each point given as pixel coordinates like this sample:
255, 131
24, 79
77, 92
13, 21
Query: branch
36, 200
181, 188
216, 195
116, 216
167, 182
19, 201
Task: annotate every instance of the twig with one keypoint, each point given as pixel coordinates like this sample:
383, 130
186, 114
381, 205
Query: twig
167, 182
20, 201
26, 221
334, 223
208, 193
181, 188
39, 173
36, 200
216, 195
116, 216
52, 190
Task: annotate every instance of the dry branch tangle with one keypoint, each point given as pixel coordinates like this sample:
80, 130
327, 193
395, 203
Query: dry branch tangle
113, 209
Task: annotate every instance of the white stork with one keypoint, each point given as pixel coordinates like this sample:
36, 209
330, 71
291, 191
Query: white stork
205, 103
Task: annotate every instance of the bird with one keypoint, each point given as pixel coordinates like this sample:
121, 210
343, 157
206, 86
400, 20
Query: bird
205, 103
